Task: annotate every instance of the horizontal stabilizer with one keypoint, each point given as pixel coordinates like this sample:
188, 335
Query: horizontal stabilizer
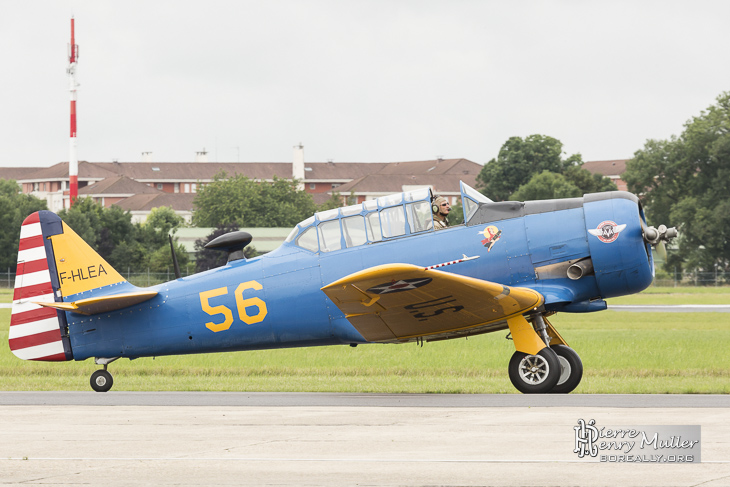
102, 304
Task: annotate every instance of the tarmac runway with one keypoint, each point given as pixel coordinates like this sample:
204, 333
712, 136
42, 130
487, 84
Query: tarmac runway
121, 438
319, 399
671, 308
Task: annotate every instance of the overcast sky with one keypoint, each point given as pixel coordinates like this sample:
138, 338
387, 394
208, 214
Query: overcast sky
354, 81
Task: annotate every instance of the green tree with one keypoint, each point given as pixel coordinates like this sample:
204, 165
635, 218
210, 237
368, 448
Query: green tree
545, 186
456, 215
129, 255
14, 208
121, 243
153, 237
164, 220
247, 203
160, 260
335, 201
84, 218
104, 229
588, 182
116, 227
520, 160
685, 182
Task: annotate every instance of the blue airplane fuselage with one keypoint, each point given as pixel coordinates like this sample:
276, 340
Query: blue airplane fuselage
275, 300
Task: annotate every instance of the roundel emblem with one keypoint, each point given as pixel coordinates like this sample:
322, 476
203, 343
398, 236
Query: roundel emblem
607, 231
399, 285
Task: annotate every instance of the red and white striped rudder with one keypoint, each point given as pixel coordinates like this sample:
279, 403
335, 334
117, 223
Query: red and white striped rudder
36, 332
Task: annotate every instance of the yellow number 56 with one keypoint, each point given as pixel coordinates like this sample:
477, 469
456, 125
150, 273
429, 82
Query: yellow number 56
242, 304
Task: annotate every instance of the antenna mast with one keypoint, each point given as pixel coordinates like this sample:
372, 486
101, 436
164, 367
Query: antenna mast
73, 162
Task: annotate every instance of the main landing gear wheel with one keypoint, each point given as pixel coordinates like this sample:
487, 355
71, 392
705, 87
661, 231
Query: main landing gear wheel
571, 369
101, 381
534, 374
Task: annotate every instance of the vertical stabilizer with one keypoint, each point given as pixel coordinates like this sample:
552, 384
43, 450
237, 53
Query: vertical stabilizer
37, 333
53, 263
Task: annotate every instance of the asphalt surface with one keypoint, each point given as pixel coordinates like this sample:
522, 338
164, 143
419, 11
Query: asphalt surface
113, 439
672, 308
286, 399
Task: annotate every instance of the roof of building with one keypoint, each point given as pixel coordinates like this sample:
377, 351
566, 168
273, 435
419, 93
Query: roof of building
463, 167
117, 185
193, 171
443, 175
386, 183
146, 202
321, 198
340, 170
254, 170
17, 172
87, 170
130, 178
614, 167
154, 171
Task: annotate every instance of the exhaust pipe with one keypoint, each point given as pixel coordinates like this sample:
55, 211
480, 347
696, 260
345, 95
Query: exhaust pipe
580, 269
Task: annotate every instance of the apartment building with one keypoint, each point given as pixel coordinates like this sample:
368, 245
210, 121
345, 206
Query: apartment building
140, 186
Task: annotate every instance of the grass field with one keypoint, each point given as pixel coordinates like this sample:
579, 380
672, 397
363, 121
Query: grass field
622, 352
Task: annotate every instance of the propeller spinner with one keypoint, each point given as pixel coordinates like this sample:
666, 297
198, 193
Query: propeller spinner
658, 237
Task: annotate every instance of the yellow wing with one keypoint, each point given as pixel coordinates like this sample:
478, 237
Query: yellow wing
396, 302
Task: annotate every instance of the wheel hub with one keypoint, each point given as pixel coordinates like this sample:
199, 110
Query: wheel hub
534, 369
565, 369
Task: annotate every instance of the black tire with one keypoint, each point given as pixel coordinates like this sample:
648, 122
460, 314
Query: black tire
534, 374
571, 369
101, 381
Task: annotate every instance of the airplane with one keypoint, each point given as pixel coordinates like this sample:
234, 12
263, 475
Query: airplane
375, 272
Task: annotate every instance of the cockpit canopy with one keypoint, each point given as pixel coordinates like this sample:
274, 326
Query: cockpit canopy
384, 218
470, 199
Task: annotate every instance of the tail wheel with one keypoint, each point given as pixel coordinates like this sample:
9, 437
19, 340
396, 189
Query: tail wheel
571, 369
101, 381
534, 374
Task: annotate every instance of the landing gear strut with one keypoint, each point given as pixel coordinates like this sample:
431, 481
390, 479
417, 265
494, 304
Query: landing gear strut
101, 380
543, 362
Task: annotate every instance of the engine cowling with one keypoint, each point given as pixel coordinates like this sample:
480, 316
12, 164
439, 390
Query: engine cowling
621, 258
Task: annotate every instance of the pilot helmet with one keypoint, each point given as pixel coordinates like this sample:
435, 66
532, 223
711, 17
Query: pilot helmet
436, 203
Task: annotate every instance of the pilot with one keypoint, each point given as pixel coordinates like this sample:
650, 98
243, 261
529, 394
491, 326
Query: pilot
440, 208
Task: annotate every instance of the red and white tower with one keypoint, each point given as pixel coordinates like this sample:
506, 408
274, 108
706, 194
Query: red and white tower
73, 162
